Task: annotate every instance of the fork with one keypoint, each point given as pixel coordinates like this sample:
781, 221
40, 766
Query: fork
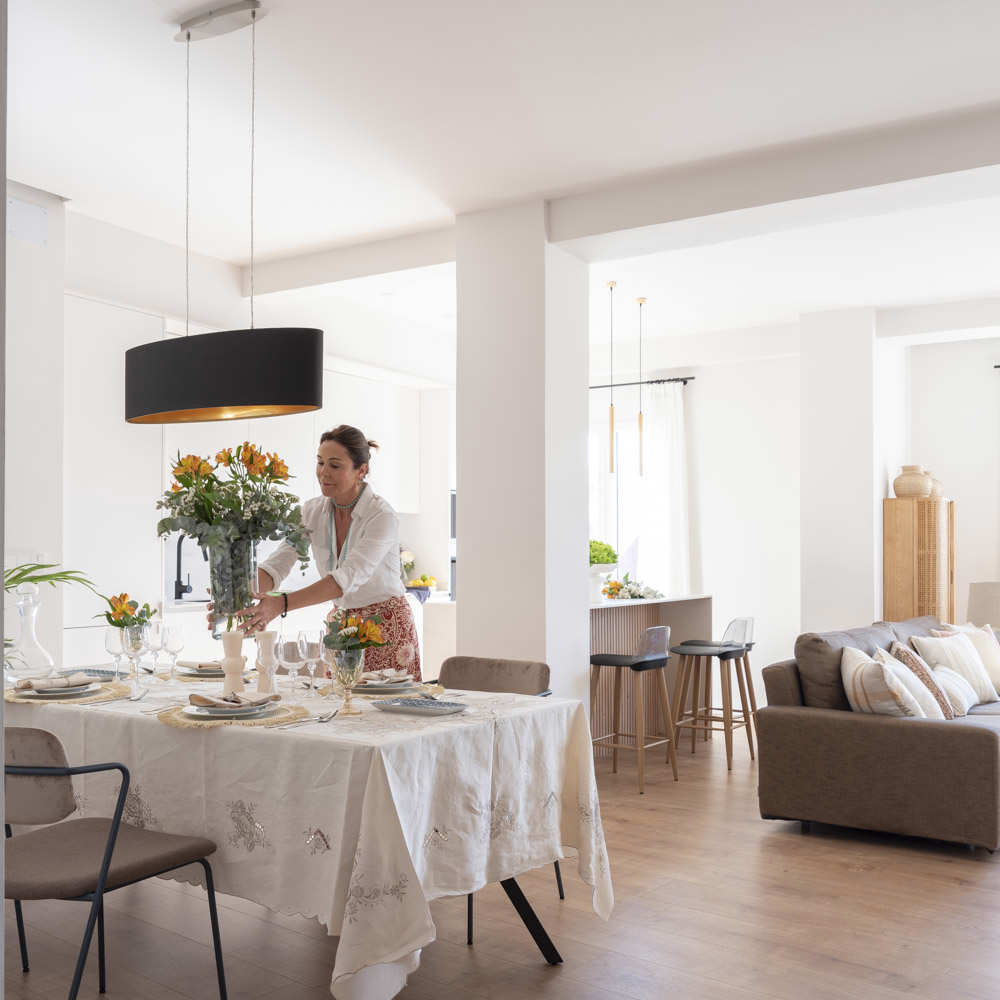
301, 722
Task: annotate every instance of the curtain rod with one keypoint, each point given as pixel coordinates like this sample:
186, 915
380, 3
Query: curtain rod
650, 381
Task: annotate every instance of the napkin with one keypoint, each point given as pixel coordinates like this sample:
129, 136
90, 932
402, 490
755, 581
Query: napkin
200, 664
233, 701
48, 683
383, 676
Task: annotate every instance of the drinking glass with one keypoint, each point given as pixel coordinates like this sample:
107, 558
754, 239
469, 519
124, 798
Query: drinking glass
113, 645
348, 665
173, 643
311, 649
154, 642
134, 644
292, 660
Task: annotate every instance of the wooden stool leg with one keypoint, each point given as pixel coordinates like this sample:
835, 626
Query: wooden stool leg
726, 677
744, 704
751, 692
696, 676
668, 722
707, 732
640, 727
680, 693
617, 712
595, 680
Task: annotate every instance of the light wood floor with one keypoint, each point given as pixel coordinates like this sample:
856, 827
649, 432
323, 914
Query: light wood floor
712, 903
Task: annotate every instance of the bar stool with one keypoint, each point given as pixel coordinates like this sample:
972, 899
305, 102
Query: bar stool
696, 673
651, 654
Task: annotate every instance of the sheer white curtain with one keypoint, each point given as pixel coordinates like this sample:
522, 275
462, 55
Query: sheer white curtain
644, 518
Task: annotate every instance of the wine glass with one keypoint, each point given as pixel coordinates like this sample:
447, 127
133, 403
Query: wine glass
113, 645
348, 665
173, 643
311, 649
134, 644
292, 660
154, 642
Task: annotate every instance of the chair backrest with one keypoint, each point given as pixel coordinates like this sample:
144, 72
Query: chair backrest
739, 632
36, 799
654, 642
483, 673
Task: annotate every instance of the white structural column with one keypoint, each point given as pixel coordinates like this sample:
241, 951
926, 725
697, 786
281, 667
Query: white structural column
841, 518
521, 428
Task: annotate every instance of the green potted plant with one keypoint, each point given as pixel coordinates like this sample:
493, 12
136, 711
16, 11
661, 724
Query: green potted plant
603, 560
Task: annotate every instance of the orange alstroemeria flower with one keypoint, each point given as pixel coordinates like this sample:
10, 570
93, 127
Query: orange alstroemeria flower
175, 487
120, 605
225, 457
277, 469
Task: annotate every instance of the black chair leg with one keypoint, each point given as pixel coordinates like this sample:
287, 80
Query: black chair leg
562, 895
102, 978
21, 939
531, 921
468, 919
88, 936
216, 938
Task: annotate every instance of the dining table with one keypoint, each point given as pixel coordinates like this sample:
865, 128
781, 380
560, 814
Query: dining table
360, 821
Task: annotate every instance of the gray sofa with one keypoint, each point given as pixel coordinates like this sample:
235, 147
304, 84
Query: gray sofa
821, 762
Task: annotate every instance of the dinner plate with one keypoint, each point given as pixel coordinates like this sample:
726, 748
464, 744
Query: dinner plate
98, 673
385, 686
195, 672
243, 712
419, 706
91, 687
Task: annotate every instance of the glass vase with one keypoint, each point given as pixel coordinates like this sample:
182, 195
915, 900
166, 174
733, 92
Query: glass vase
27, 657
232, 570
348, 665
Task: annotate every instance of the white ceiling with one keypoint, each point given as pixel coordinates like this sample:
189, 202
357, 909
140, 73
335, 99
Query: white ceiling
390, 116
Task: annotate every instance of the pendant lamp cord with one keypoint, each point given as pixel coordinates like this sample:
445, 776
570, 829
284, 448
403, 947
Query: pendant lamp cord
611, 327
187, 188
640, 354
253, 115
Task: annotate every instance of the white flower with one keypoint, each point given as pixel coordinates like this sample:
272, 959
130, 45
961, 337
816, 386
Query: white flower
350, 630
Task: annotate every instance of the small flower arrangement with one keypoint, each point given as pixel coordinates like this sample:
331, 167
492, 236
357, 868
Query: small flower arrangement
345, 631
407, 560
628, 590
125, 612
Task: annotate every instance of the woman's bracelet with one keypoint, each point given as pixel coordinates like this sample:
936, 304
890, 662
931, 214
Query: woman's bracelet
284, 595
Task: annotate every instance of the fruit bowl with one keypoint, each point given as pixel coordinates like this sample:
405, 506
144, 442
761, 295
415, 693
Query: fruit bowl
420, 593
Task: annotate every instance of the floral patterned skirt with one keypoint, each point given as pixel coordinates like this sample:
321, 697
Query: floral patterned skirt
402, 647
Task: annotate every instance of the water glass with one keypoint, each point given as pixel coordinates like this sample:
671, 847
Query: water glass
134, 644
292, 660
113, 645
173, 643
154, 642
311, 649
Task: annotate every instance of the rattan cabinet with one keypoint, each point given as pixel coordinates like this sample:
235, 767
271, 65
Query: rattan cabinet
918, 554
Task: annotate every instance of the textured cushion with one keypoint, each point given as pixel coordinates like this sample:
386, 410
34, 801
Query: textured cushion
29, 799
906, 630
959, 691
914, 662
63, 860
876, 687
929, 705
957, 653
987, 646
480, 673
818, 656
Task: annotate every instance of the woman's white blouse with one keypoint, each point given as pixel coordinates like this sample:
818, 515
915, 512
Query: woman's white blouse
367, 569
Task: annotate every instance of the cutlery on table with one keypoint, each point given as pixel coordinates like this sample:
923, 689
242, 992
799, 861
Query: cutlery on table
301, 722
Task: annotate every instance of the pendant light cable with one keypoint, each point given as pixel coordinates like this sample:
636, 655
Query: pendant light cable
611, 408
253, 116
641, 302
187, 187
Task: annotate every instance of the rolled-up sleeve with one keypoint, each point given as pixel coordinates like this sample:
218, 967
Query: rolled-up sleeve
365, 555
280, 562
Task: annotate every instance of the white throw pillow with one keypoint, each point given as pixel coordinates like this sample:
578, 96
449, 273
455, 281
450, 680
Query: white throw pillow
911, 659
987, 646
921, 693
957, 653
958, 690
874, 687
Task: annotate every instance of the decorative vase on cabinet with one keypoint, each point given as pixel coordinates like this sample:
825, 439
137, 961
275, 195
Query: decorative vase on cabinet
913, 481
918, 554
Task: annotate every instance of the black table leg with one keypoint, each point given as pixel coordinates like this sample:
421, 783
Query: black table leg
534, 925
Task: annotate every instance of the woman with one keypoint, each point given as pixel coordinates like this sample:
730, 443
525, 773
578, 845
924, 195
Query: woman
355, 544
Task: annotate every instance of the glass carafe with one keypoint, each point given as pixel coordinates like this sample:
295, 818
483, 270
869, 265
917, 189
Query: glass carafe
28, 658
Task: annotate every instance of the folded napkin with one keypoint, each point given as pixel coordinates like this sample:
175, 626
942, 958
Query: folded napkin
383, 676
233, 701
49, 683
200, 664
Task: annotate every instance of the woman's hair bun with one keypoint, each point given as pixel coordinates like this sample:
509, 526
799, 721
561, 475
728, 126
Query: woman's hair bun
373, 444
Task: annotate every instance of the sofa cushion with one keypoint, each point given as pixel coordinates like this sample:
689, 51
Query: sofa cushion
986, 643
922, 670
818, 656
958, 690
920, 691
987, 708
905, 631
958, 653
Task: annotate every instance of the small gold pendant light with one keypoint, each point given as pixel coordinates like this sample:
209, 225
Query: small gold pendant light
611, 408
642, 302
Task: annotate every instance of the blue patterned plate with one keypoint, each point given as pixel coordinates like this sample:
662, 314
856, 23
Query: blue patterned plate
419, 706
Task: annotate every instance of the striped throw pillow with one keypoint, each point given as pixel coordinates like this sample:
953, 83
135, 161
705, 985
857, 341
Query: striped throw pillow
919, 666
876, 688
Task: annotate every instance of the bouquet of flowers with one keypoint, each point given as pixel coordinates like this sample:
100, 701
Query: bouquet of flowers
629, 590
406, 560
125, 613
345, 631
228, 507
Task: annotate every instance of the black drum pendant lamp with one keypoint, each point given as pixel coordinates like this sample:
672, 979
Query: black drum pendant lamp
231, 374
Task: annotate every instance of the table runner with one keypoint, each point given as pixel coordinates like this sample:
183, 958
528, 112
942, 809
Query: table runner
362, 821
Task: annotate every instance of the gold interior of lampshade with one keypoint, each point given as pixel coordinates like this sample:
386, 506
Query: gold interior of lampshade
206, 413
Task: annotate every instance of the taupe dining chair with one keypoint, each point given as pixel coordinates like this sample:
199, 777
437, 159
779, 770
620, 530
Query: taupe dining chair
482, 673
82, 859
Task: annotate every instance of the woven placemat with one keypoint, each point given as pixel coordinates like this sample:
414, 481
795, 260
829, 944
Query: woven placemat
184, 678
112, 690
286, 713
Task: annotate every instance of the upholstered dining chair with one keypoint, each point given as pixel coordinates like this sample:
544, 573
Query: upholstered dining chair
82, 859
482, 673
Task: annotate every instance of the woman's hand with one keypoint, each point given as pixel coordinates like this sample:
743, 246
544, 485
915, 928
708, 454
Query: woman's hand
261, 614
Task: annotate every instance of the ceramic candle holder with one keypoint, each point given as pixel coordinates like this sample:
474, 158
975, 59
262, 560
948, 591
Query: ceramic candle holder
232, 663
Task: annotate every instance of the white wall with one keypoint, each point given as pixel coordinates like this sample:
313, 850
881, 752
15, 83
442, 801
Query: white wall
955, 432
34, 373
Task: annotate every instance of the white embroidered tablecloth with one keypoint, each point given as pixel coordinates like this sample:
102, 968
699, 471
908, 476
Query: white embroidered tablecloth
361, 821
